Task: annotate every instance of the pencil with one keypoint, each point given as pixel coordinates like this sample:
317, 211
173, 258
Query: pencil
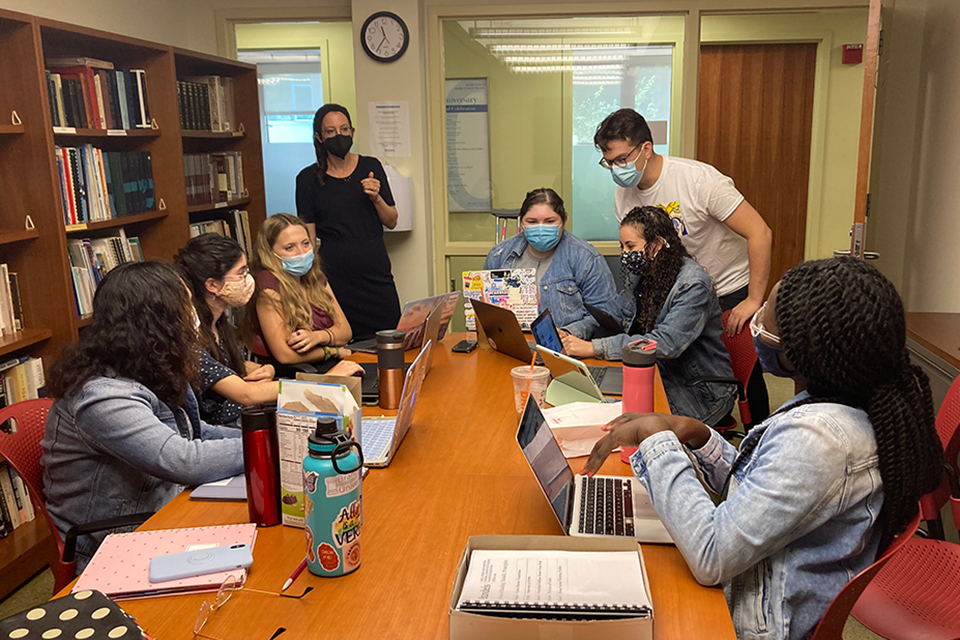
294, 576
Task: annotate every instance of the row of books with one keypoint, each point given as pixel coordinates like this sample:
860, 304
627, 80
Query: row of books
11, 309
16, 507
233, 224
213, 177
92, 258
88, 93
206, 103
99, 185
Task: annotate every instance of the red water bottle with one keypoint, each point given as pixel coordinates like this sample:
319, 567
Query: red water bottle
639, 360
261, 463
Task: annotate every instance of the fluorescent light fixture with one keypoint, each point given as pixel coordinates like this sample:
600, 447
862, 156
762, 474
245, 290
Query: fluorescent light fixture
563, 67
485, 32
555, 59
555, 46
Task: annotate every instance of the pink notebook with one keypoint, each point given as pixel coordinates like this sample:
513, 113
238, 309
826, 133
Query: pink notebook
121, 565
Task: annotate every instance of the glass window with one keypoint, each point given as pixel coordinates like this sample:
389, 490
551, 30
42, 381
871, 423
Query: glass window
540, 88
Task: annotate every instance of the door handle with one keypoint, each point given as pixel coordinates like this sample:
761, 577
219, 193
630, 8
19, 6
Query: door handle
867, 255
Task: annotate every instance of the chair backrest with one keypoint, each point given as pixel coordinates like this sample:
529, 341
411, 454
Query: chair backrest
948, 426
831, 624
22, 451
743, 358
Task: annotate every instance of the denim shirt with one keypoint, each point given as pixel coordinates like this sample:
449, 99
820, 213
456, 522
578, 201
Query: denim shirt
798, 522
113, 449
577, 274
688, 332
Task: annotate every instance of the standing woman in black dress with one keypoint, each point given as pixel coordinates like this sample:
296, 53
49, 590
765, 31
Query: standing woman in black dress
346, 201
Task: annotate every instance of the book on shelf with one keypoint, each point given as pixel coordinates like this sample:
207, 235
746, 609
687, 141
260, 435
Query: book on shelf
8, 500
97, 185
234, 223
11, 312
92, 258
212, 178
206, 103
91, 94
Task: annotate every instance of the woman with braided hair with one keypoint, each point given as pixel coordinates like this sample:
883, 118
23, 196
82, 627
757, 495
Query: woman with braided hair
667, 297
822, 486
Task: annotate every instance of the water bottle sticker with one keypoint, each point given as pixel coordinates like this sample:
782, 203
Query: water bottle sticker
329, 558
346, 527
339, 485
311, 555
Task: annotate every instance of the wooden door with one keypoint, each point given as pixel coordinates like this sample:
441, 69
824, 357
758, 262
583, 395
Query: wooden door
754, 125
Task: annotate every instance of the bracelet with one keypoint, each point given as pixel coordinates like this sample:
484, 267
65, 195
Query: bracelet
330, 337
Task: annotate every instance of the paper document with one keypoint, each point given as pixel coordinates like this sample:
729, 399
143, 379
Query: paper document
562, 580
576, 426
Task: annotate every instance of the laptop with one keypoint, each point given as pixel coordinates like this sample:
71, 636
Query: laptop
434, 325
502, 330
608, 324
599, 506
571, 382
413, 321
381, 437
608, 379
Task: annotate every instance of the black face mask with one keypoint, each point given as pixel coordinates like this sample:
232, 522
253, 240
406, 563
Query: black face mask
339, 145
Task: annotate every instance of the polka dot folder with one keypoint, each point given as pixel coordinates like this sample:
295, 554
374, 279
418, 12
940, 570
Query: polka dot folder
84, 615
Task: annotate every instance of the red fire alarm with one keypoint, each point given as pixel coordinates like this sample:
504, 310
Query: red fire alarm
852, 54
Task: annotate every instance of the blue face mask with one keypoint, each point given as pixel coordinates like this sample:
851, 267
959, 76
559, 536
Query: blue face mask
298, 265
542, 237
628, 177
769, 360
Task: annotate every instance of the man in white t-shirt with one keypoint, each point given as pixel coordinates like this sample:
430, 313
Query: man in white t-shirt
716, 224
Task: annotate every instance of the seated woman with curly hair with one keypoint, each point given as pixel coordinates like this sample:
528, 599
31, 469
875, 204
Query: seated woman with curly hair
124, 435
669, 298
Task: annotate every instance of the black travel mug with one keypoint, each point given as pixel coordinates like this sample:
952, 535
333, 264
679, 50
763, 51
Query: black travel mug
261, 463
390, 367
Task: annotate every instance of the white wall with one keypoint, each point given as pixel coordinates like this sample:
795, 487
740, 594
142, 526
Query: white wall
933, 235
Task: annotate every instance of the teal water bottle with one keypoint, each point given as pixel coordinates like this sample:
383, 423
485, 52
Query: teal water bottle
332, 500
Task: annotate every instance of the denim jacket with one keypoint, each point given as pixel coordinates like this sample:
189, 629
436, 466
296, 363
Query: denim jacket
113, 449
798, 522
688, 332
577, 274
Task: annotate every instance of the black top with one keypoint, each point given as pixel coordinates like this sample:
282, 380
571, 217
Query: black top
354, 256
214, 408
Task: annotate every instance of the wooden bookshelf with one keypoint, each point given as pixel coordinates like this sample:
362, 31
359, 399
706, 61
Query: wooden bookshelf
122, 221
229, 204
30, 185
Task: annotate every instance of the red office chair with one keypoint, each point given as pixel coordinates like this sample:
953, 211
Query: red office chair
22, 450
948, 428
743, 358
831, 624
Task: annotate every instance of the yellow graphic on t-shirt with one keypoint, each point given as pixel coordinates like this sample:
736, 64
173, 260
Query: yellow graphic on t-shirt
673, 210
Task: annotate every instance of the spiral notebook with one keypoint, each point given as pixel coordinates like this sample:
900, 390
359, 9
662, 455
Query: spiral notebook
581, 585
120, 568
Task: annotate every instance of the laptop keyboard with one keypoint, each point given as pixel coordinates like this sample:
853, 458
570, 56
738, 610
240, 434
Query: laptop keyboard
605, 503
375, 437
597, 371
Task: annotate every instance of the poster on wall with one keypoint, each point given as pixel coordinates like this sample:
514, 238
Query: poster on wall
468, 145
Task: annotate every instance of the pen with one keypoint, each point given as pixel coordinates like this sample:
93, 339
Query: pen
296, 573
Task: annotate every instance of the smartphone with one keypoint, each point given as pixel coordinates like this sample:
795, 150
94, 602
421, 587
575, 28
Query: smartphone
464, 346
177, 566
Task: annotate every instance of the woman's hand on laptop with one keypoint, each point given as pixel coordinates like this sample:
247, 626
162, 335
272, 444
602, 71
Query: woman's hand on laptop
574, 346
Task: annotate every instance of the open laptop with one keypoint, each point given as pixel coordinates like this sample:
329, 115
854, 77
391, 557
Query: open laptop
434, 325
502, 330
381, 437
598, 506
571, 382
608, 379
413, 321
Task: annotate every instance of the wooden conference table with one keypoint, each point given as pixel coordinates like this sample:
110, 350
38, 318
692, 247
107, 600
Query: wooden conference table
458, 473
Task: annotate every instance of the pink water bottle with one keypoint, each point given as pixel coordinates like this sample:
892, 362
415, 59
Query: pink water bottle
639, 360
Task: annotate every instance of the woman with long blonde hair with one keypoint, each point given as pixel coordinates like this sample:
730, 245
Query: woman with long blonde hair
297, 314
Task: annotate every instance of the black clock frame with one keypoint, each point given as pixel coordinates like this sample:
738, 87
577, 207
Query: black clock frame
403, 25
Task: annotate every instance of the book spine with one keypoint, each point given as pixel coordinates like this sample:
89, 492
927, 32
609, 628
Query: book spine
6, 520
29, 513
17, 304
36, 384
6, 487
17, 495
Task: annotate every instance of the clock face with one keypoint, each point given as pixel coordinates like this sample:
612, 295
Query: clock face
385, 36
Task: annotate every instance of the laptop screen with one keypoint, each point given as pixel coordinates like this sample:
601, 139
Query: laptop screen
545, 332
545, 458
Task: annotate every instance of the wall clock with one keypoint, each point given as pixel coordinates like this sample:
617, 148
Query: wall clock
384, 36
